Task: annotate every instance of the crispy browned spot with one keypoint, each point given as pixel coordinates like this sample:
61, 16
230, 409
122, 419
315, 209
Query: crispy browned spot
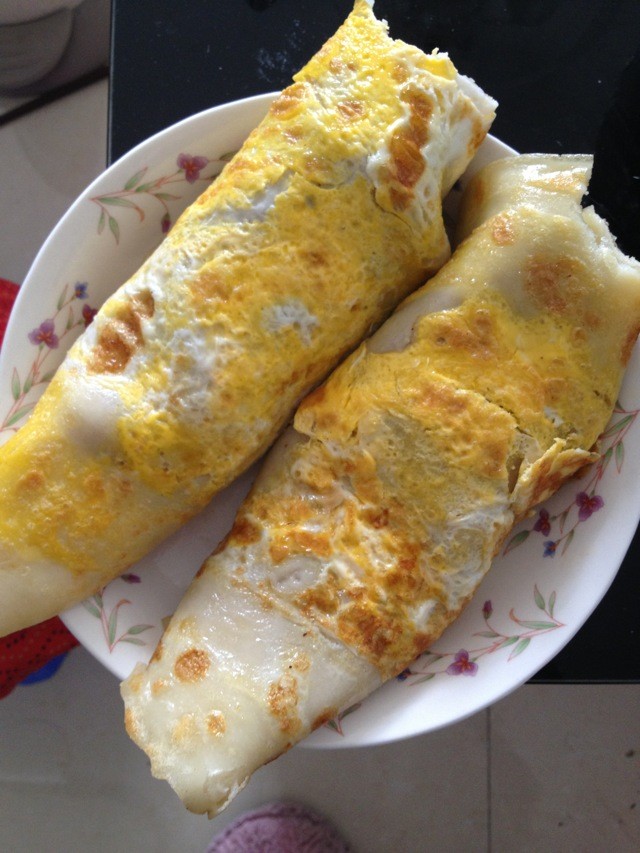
301, 663
238, 164
130, 724
362, 628
321, 598
405, 145
184, 729
399, 72
94, 485
477, 136
407, 159
216, 723
400, 198
121, 335
377, 518
351, 109
209, 285
315, 258
315, 397
31, 481
288, 101
502, 230
244, 532
158, 652
282, 700
404, 582
192, 665
553, 284
299, 542
158, 686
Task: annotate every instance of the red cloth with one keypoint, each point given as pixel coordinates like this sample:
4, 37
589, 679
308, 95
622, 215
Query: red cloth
25, 652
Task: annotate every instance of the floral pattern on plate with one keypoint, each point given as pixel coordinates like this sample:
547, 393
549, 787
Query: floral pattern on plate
136, 191
58, 330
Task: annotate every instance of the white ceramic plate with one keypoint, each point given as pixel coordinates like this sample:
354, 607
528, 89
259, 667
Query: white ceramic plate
557, 566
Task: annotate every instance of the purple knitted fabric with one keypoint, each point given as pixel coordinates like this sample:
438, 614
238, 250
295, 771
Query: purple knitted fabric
279, 828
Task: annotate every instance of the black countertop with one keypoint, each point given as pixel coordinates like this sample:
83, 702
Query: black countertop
566, 74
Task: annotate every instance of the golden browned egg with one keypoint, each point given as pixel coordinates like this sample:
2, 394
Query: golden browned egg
327, 217
378, 513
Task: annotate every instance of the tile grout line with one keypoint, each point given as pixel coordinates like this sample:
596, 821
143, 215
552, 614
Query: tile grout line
489, 793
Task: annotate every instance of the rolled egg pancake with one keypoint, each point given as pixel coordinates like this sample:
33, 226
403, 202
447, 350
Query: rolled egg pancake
378, 513
324, 220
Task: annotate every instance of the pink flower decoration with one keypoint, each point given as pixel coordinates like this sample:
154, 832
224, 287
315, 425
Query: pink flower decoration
45, 334
165, 223
192, 166
587, 505
543, 524
88, 313
487, 609
129, 577
462, 665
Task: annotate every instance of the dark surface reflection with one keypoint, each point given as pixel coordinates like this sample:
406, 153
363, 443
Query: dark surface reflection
565, 73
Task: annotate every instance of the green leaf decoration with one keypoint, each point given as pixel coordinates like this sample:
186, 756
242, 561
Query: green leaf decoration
135, 179
509, 642
113, 623
48, 376
491, 635
101, 221
563, 518
62, 297
552, 603
144, 188
522, 645
616, 428
19, 414
91, 607
537, 626
16, 387
133, 640
28, 382
98, 600
138, 629
568, 540
115, 228
619, 456
166, 196
516, 540
70, 320
115, 201
538, 598
228, 155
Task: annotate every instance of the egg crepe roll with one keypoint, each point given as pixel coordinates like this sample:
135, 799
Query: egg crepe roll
378, 513
325, 219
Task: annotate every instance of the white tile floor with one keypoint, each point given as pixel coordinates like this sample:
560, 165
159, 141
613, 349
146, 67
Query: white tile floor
549, 768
